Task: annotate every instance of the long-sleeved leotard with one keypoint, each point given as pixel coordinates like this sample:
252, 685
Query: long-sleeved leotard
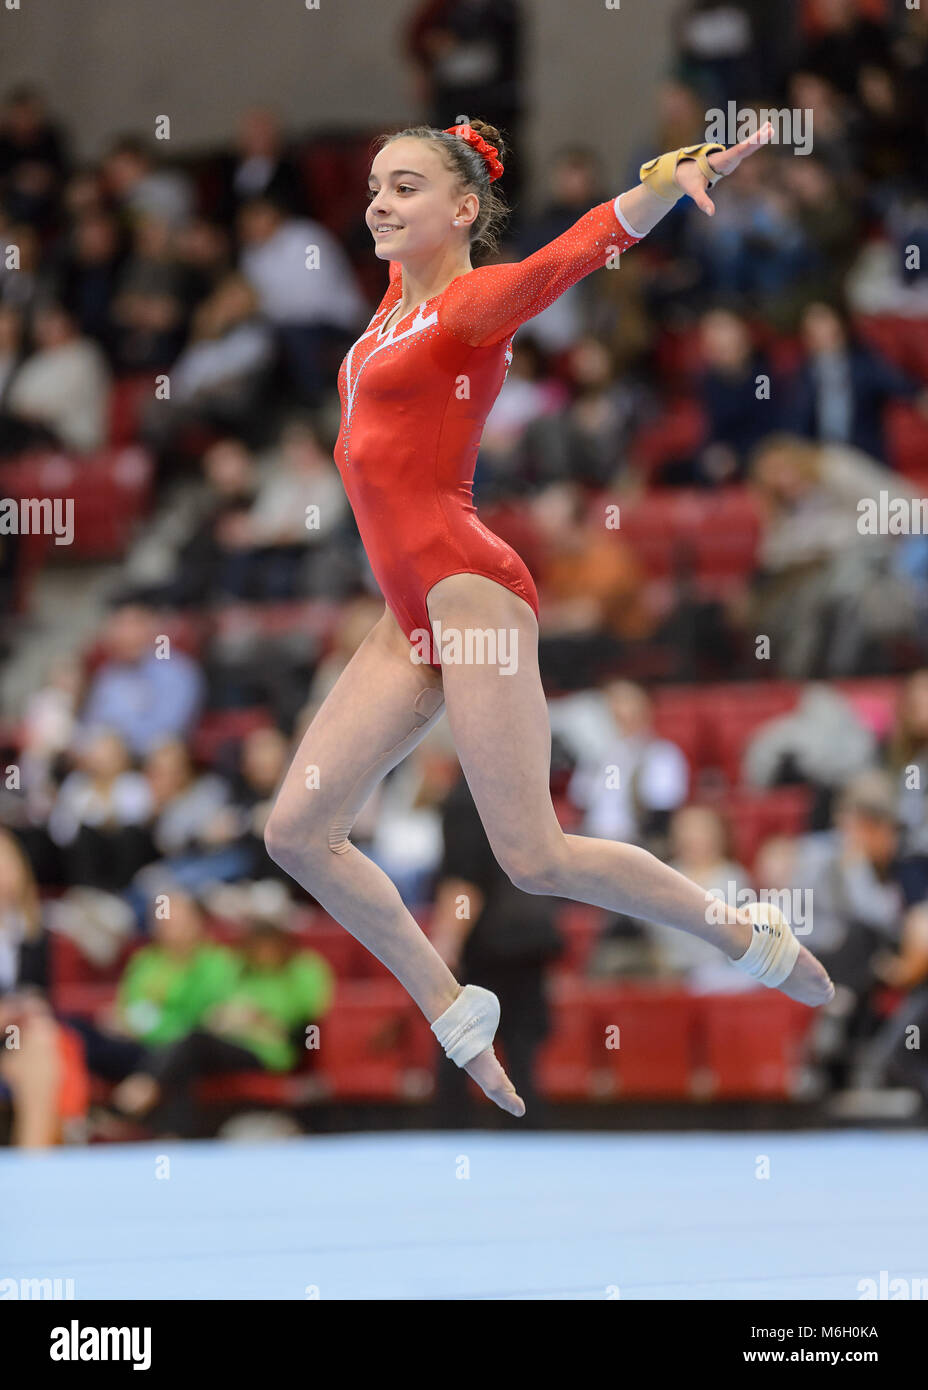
414, 402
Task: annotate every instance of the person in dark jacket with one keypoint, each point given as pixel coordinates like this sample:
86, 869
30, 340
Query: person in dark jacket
501, 938
842, 386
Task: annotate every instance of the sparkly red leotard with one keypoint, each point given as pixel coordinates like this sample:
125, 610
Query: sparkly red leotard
414, 401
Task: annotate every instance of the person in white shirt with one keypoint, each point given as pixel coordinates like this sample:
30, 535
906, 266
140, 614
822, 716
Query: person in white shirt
64, 385
306, 288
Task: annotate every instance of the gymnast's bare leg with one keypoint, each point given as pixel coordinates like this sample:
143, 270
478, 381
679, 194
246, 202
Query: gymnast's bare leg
379, 709
502, 735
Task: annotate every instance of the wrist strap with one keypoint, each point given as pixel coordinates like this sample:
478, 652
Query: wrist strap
658, 173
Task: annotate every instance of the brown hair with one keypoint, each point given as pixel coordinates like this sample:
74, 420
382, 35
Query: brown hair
472, 173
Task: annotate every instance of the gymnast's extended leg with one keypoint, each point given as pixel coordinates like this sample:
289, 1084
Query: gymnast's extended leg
501, 731
379, 709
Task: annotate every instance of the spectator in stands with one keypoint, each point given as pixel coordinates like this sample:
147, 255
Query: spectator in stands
84, 192
219, 379
88, 273
183, 803
48, 725
830, 222
101, 815
306, 287
297, 515
264, 756
11, 348
23, 940
824, 593
23, 284
820, 743
632, 780
260, 167
830, 117
842, 386
588, 438
860, 884
740, 395
844, 42
594, 597
489, 931
152, 299
41, 1070
896, 1054
203, 248
44, 1075
756, 244
195, 828
467, 58
406, 842
717, 51
142, 694
888, 137
188, 551
528, 394
33, 161
141, 189
63, 387
258, 1025
700, 847
905, 757
165, 989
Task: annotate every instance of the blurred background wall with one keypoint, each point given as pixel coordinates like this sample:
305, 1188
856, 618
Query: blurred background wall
119, 63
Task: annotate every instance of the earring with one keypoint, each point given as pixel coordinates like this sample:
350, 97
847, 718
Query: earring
455, 222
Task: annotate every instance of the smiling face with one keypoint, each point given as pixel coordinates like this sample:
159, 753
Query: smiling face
414, 199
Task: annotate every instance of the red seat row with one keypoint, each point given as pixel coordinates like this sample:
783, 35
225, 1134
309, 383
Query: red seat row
608, 1041
711, 535
713, 724
654, 1042
109, 491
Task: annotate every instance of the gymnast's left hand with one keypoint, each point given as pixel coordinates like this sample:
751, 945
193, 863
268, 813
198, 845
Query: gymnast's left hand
689, 180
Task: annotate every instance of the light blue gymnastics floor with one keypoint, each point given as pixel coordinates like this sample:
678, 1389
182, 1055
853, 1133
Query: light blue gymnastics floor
550, 1216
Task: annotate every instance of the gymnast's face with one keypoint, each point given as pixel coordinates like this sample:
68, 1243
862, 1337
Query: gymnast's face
414, 199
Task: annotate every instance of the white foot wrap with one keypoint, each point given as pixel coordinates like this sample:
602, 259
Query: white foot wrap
773, 949
468, 1025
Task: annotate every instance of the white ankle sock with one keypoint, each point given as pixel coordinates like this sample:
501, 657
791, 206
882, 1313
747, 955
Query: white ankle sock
773, 949
468, 1025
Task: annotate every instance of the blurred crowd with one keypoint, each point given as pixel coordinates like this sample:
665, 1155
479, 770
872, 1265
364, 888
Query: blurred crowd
728, 358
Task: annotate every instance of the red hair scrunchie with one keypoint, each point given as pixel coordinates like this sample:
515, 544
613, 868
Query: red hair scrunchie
489, 152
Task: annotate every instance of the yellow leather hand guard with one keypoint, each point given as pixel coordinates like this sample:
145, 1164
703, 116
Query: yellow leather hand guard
658, 173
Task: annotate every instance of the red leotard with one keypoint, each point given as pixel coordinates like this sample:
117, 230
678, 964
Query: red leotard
414, 403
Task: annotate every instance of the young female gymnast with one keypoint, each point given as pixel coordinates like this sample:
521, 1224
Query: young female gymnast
415, 391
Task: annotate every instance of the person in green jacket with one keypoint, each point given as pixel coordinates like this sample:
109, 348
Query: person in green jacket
166, 988
277, 989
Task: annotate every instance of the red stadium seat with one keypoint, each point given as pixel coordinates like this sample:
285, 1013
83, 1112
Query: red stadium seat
218, 728
580, 926
907, 441
654, 1032
128, 398
680, 715
109, 491
564, 1069
738, 711
751, 1043
368, 1043
677, 436
756, 816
